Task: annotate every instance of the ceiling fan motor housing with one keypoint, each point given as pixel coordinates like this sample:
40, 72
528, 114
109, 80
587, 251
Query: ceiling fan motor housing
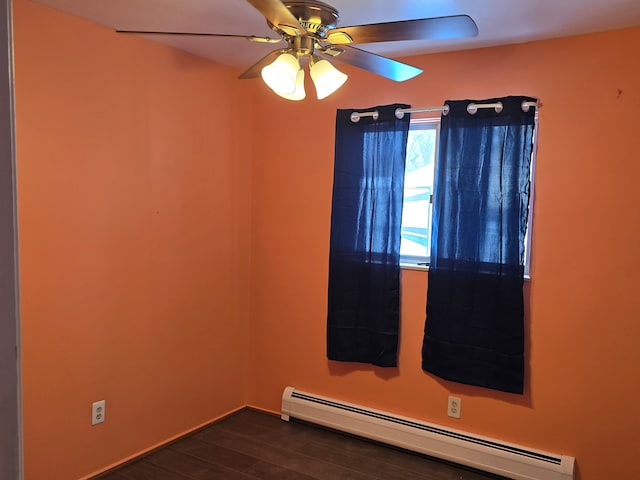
316, 17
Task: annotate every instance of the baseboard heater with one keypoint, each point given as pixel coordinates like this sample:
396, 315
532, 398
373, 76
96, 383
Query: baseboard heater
483, 453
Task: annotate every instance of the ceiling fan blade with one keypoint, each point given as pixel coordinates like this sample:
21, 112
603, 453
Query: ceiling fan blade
256, 69
372, 62
437, 28
253, 38
279, 15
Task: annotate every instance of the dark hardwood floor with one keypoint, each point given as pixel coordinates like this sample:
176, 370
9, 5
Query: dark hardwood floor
253, 445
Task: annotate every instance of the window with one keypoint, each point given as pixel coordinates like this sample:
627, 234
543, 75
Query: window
422, 153
422, 148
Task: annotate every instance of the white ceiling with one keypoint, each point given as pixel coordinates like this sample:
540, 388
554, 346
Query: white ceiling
499, 21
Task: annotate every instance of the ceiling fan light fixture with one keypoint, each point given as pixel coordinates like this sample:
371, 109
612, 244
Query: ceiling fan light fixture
326, 78
298, 93
281, 75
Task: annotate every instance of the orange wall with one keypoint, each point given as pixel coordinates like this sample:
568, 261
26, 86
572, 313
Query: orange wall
583, 315
133, 226
168, 269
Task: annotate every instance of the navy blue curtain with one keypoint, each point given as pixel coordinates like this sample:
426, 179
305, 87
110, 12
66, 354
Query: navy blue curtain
364, 258
474, 332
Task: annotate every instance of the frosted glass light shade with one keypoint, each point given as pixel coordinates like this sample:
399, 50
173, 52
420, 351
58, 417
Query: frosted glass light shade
299, 92
281, 74
326, 78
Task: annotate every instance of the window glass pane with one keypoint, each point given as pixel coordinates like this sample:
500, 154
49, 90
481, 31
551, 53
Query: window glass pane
418, 187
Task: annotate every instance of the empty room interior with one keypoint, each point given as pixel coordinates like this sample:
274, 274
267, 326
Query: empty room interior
173, 237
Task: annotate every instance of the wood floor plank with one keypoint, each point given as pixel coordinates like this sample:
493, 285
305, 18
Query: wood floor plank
287, 459
114, 476
276, 432
268, 471
142, 470
370, 465
175, 461
228, 457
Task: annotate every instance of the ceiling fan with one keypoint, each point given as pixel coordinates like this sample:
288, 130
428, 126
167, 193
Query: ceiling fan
310, 29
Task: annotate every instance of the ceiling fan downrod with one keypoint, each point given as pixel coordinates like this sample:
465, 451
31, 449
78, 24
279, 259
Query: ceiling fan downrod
302, 46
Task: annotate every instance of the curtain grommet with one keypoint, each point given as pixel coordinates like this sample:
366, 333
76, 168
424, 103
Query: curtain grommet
399, 114
356, 116
472, 108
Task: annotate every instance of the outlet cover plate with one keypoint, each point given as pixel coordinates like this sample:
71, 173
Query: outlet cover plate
97, 412
454, 407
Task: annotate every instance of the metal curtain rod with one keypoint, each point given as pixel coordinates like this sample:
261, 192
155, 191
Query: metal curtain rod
472, 108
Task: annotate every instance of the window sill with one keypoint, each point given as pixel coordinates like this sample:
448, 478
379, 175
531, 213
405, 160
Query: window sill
414, 266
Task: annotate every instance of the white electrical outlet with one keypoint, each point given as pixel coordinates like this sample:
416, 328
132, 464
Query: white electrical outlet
97, 412
455, 405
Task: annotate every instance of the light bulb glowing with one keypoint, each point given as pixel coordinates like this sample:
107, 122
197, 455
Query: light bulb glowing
299, 92
281, 75
326, 78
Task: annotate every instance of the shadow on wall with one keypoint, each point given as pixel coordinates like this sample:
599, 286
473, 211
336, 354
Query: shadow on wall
340, 369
